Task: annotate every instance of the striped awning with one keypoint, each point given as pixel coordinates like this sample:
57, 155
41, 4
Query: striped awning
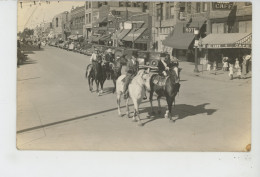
227, 40
134, 34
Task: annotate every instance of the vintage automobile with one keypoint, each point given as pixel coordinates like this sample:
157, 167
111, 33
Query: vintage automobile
71, 46
150, 58
124, 54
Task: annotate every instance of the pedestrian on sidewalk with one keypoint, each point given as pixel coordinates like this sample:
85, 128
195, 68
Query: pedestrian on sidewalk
231, 72
225, 64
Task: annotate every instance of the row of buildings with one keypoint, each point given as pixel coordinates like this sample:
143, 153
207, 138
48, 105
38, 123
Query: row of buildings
159, 26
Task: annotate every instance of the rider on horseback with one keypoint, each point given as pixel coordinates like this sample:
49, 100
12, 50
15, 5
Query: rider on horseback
131, 70
163, 64
109, 58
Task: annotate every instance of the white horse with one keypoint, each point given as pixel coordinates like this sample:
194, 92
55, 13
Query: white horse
136, 89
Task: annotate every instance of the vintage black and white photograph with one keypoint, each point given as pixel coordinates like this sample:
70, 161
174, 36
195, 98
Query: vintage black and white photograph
134, 75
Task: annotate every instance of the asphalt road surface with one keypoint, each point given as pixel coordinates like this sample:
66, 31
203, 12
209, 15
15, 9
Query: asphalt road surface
56, 111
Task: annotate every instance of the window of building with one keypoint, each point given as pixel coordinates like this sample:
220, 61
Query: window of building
86, 18
99, 4
245, 26
89, 4
218, 28
128, 4
189, 7
86, 5
159, 12
145, 6
64, 26
121, 4
89, 17
197, 7
248, 3
138, 4
205, 6
57, 22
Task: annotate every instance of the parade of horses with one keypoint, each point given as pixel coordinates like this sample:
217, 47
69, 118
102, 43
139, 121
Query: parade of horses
163, 80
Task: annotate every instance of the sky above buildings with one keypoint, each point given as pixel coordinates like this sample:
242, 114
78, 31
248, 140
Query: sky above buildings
31, 15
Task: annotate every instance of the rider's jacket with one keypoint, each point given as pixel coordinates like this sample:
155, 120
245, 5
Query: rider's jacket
132, 67
109, 57
93, 57
162, 67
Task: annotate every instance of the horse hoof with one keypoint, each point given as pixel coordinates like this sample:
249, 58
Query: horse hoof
140, 124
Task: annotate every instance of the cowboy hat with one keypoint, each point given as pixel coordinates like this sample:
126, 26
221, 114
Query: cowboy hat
109, 50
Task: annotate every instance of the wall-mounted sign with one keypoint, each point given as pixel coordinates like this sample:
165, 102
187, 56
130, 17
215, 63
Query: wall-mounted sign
189, 29
222, 5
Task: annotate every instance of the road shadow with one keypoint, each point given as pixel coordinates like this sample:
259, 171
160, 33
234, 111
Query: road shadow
29, 62
107, 90
180, 111
29, 49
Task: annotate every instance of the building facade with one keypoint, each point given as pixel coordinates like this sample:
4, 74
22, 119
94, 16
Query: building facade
96, 11
59, 22
77, 20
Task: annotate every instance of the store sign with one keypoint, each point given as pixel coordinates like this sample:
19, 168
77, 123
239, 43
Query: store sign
222, 5
189, 29
216, 46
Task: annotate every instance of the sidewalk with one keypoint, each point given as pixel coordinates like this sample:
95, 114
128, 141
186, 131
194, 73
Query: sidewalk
219, 75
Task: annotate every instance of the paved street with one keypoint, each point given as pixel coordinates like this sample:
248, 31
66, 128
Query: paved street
55, 110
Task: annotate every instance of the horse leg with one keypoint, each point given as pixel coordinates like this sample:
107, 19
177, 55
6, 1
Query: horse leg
89, 84
159, 105
127, 107
136, 112
118, 104
114, 89
151, 101
169, 103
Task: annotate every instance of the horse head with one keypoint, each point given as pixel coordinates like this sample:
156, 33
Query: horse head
143, 78
174, 73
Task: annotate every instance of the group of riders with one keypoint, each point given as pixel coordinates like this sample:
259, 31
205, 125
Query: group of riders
165, 63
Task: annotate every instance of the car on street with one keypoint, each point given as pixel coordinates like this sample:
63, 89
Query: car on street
71, 46
124, 54
150, 58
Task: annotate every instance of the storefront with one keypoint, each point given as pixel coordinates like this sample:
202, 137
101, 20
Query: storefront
181, 40
231, 45
137, 38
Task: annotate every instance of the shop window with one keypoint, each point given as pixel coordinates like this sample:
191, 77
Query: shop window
204, 6
100, 4
89, 5
197, 7
245, 27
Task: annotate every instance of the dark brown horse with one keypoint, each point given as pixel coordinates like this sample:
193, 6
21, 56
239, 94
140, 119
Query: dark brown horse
165, 87
115, 71
96, 72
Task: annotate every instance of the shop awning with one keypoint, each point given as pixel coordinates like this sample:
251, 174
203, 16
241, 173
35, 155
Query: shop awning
227, 40
105, 38
134, 34
114, 36
144, 37
71, 37
123, 33
96, 38
179, 39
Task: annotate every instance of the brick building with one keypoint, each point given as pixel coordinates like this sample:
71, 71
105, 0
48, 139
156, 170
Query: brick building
59, 23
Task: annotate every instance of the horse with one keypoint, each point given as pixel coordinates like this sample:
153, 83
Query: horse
96, 72
136, 89
115, 71
165, 87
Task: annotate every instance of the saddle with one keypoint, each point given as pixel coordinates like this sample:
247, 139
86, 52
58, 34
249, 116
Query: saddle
159, 80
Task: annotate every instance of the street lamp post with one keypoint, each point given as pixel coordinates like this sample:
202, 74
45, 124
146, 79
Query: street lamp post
196, 32
77, 36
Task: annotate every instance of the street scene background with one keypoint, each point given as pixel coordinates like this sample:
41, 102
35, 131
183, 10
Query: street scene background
56, 110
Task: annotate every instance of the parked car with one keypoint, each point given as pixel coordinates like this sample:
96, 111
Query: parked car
71, 46
124, 54
66, 45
